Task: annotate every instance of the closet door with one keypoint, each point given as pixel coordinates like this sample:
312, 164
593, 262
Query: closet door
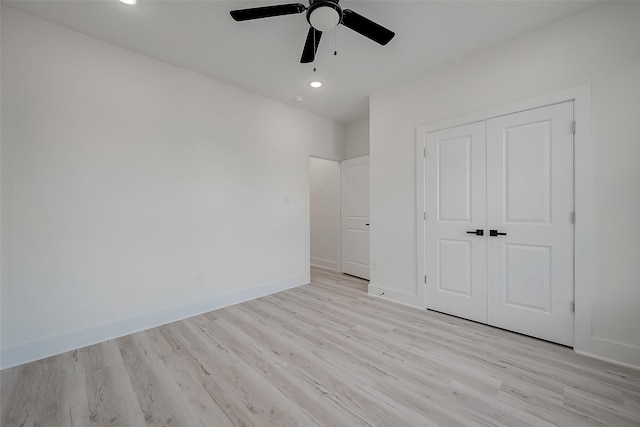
529, 207
455, 202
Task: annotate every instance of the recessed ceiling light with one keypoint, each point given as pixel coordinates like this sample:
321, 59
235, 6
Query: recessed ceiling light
315, 84
129, 2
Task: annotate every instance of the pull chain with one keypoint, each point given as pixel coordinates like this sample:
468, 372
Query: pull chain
315, 51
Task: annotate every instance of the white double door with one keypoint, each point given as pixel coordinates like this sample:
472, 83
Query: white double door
498, 229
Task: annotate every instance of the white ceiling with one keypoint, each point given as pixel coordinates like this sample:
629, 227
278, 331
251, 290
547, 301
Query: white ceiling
263, 56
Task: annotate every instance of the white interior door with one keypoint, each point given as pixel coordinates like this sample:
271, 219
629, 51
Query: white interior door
355, 217
530, 199
455, 258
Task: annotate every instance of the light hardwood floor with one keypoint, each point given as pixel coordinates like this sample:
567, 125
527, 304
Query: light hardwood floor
323, 354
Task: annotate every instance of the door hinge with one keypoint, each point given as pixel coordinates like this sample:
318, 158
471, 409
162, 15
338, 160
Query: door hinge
425, 278
573, 217
573, 127
424, 152
573, 306
425, 216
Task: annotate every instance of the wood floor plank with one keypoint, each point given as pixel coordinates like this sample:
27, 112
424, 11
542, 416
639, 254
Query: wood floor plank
322, 354
155, 389
272, 365
36, 398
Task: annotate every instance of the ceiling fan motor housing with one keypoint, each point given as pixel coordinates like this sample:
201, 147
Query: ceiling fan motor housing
324, 15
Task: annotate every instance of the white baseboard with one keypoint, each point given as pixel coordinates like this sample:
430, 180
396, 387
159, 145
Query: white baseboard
395, 296
324, 264
58, 344
614, 352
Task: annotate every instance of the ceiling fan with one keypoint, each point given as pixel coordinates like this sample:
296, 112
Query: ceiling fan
322, 15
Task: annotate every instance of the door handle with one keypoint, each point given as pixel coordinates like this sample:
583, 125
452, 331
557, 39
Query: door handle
478, 232
367, 224
494, 233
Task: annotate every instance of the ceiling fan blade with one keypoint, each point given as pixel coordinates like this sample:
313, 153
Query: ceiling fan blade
311, 45
267, 11
366, 27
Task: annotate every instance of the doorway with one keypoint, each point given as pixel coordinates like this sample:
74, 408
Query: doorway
324, 213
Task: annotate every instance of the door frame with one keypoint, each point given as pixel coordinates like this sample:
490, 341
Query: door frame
585, 261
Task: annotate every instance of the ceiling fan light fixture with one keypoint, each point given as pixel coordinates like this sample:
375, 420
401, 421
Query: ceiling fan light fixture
324, 16
315, 84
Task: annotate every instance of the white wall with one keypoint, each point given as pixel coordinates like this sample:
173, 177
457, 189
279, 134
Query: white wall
108, 212
325, 213
327, 142
357, 139
597, 47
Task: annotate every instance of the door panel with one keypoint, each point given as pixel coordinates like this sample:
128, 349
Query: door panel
530, 198
527, 155
355, 217
528, 277
456, 203
454, 267
454, 179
